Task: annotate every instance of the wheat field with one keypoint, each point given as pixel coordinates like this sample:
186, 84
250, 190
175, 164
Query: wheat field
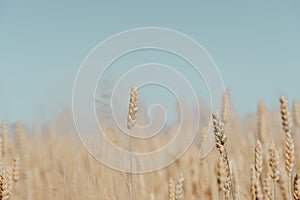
255, 157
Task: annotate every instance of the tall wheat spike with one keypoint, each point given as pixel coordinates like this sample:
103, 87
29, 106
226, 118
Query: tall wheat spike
133, 107
131, 120
221, 139
289, 142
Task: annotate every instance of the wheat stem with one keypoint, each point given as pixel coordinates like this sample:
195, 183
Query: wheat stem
131, 166
131, 120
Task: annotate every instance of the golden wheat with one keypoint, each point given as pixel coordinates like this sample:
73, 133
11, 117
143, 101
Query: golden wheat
289, 142
43, 162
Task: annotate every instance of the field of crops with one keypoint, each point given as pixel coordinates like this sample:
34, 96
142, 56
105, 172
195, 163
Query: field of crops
255, 157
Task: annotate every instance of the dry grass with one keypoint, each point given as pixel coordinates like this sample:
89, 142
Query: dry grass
260, 161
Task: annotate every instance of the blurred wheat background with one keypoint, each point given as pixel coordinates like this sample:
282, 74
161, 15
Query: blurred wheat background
262, 149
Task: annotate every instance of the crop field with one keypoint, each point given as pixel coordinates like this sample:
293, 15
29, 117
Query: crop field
255, 157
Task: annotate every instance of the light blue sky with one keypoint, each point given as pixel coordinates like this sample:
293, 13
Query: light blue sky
256, 47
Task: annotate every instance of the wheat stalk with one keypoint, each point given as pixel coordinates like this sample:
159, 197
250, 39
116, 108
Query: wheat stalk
131, 120
289, 142
221, 139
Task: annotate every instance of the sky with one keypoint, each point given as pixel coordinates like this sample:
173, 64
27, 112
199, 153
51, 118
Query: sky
255, 45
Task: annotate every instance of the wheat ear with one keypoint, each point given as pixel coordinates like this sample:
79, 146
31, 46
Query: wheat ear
273, 163
256, 191
289, 142
261, 121
221, 139
258, 166
5, 185
179, 191
252, 186
171, 187
258, 163
133, 107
